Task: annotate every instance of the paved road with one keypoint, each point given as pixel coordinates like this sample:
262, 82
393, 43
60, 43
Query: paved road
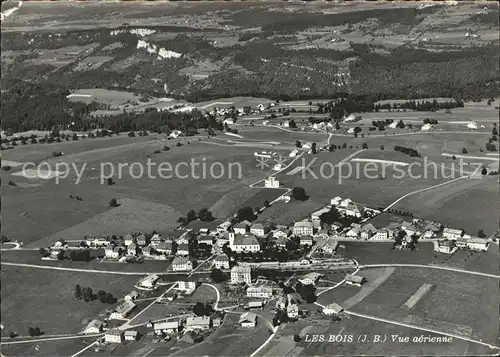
217, 292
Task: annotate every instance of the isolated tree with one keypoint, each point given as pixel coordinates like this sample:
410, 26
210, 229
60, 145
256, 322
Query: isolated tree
484, 171
218, 275
296, 337
400, 124
266, 203
495, 130
313, 148
298, 193
298, 144
191, 216
365, 146
165, 148
113, 203
78, 292
464, 151
481, 234
357, 130
199, 309
337, 126
245, 213
12, 334
42, 252
31, 332
381, 147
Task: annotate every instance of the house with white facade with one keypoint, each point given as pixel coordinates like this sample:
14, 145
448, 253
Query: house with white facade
132, 249
263, 292
221, 261
248, 320
182, 264
113, 336
198, 323
271, 182
450, 233
94, 326
112, 252
242, 227
182, 250
167, 327
306, 240
332, 309
149, 281
445, 246
164, 248
355, 280
131, 335
259, 229
122, 310
241, 274
244, 243
128, 239
303, 228
186, 286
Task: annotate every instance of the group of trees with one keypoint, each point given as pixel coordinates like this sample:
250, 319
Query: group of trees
87, 294
407, 151
203, 215
201, 309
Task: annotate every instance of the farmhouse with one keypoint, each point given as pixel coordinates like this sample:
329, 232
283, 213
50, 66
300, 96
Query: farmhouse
255, 305
383, 234
445, 246
100, 241
450, 233
112, 252
183, 250
332, 309
244, 243
353, 233
292, 311
248, 320
94, 326
303, 228
198, 323
281, 242
166, 327
132, 249
242, 227
122, 310
306, 240
280, 233
128, 239
264, 292
310, 278
131, 335
131, 296
156, 238
149, 281
330, 247
355, 280
241, 274
182, 264
367, 231
113, 336
223, 239
271, 182
164, 247
141, 240
205, 239
186, 286
478, 244
259, 229
221, 261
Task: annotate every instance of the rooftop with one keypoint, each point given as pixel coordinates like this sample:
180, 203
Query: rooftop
248, 317
245, 239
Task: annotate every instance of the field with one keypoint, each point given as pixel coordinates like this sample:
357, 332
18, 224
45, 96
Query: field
462, 304
382, 253
471, 202
45, 299
60, 348
215, 172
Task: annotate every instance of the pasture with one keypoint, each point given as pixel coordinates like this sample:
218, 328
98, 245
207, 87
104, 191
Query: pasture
160, 197
469, 204
46, 299
58, 348
462, 304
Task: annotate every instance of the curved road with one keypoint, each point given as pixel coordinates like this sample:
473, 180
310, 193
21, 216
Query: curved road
431, 267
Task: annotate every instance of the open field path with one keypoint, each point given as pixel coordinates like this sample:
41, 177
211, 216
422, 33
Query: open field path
34, 340
368, 288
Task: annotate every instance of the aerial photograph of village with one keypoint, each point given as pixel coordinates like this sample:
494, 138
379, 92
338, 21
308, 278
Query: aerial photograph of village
250, 178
